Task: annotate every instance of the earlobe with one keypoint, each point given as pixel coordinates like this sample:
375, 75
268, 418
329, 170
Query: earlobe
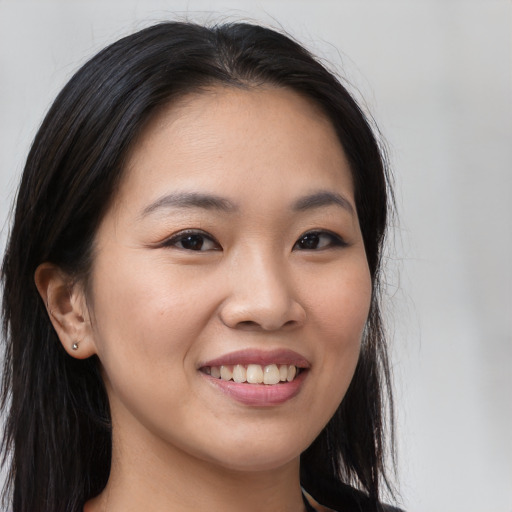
66, 306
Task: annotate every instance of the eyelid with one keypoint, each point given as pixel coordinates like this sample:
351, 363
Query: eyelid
336, 239
172, 240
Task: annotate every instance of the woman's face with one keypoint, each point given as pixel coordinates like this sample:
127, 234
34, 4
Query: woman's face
233, 242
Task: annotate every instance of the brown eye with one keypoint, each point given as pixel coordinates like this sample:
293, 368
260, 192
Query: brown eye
309, 241
316, 240
192, 241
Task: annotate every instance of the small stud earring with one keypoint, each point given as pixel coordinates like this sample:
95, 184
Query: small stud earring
75, 346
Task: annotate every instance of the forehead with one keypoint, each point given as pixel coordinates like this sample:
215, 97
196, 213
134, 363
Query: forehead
223, 137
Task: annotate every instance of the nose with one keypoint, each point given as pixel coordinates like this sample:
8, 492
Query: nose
262, 296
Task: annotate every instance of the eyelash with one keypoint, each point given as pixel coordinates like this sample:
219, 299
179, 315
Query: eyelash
334, 240
177, 238
310, 237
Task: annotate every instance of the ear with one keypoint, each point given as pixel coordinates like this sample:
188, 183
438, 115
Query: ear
67, 309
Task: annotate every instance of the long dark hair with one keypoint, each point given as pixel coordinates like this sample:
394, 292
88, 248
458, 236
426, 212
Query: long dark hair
58, 432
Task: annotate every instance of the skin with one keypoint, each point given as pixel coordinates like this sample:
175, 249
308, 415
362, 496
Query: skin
156, 310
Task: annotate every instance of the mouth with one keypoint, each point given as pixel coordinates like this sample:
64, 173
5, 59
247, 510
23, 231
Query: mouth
257, 378
270, 374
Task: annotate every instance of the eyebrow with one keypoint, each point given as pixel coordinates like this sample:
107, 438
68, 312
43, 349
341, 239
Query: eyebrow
213, 202
323, 198
190, 200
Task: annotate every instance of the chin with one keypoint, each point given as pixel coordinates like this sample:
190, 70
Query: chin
252, 454
256, 464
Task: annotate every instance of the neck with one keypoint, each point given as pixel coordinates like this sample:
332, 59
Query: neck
164, 478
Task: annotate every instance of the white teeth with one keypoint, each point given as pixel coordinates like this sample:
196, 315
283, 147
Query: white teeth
271, 374
254, 373
226, 373
283, 372
239, 373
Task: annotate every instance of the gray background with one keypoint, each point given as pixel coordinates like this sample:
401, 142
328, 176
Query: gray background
437, 77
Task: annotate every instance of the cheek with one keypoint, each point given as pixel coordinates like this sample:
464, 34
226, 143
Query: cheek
341, 312
342, 304
134, 299
144, 328
143, 319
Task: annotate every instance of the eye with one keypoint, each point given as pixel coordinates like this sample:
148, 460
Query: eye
317, 240
192, 240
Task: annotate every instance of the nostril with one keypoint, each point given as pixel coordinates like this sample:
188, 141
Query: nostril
254, 313
252, 325
249, 324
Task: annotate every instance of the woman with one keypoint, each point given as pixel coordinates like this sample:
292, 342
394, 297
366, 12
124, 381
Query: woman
191, 285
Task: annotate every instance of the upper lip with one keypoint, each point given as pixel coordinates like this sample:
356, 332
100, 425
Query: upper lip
261, 357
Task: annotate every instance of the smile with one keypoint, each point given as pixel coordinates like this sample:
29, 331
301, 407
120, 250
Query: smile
270, 374
261, 378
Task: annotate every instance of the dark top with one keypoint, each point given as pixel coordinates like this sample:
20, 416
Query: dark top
343, 498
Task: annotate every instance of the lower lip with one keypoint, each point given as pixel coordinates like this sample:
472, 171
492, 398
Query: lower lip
259, 395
